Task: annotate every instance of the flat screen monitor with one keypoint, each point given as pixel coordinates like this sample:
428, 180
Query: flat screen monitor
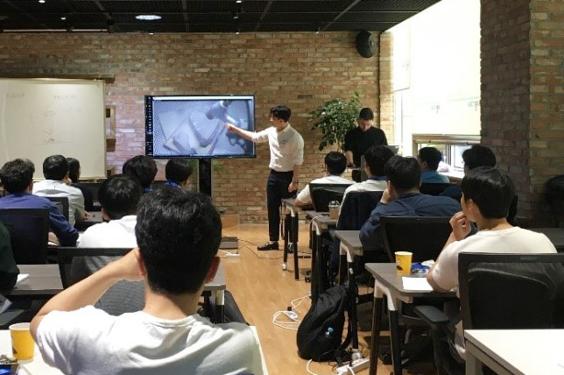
194, 126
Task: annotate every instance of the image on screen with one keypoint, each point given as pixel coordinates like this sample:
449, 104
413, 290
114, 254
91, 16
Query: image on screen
194, 126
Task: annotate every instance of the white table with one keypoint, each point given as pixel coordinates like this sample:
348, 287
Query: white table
34, 367
519, 352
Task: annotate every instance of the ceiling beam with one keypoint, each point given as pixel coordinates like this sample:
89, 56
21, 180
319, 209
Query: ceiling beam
185, 15
264, 13
349, 7
108, 16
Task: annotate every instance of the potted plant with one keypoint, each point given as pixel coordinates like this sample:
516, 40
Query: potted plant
335, 118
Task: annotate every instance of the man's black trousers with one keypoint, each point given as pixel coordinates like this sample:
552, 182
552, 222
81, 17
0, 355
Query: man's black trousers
276, 190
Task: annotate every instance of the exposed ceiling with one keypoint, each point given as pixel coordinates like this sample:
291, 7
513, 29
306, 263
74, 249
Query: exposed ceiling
207, 15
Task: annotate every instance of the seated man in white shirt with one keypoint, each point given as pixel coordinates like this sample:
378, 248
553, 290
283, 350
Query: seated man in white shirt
178, 234
335, 165
119, 196
55, 171
486, 197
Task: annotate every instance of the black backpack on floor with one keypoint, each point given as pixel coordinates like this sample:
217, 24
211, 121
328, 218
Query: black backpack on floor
320, 332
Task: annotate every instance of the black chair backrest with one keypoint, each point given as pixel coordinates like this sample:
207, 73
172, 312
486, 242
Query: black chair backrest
356, 209
65, 256
424, 236
511, 291
322, 194
29, 233
554, 194
433, 188
90, 193
62, 204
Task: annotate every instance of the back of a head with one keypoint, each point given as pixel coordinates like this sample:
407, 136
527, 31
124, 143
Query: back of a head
336, 163
178, 234
74, 169
404, 173
431, 156
478, 156
178, 170
16, 175
490, 189
366, 114
376, 158
281, 112
119, 196
55, 167
141, 167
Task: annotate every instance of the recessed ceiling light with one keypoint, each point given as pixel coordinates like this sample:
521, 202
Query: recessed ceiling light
148, 17
41, 1
63, 18
238, 1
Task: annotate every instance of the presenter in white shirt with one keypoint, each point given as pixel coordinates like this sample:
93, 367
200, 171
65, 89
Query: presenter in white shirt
286, 157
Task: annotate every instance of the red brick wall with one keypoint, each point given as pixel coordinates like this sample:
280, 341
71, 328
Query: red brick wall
301, 70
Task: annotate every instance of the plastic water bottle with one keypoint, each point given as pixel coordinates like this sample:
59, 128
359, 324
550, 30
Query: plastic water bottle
329, 332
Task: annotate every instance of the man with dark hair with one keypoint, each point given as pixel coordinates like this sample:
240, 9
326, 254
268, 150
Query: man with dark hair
286, 157
402, 198
56, 173
177, 172
17, 178
375, 158
335, 165
178, 234
359, 139
143, 168
487, 194
74, 176
429, 159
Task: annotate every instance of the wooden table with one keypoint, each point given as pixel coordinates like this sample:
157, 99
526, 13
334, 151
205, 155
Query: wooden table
349, 248
515, 351
555, 235
388, 283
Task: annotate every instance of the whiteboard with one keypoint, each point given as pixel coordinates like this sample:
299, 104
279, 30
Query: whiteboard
43, 117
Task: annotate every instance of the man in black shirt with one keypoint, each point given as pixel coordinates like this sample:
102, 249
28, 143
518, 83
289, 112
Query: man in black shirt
359, 139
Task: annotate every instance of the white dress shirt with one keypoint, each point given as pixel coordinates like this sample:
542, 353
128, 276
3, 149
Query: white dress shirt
305, 197
56, 188
286, 147
367, 185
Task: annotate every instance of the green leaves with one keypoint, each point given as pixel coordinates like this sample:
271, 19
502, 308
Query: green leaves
334, 119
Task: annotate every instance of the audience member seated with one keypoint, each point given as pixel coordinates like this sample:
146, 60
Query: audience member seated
178, 234
335, 165
8, 269
474, 157
74, 176
486, 197
17, 178
119, 196
402, 198
375, 159
56, 173
142, 168
429, 159
177, 173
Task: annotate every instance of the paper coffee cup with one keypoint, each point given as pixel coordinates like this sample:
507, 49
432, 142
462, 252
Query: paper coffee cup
23, 345
403, 262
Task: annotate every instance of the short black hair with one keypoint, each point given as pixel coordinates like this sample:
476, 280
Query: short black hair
490, 189
55, 167
281, 112
141, 167
16, 175
178, 170
404, 173
178, 234
431, 156
376, 158
366, 114
119, 196
74, 169
336, 163
478, 156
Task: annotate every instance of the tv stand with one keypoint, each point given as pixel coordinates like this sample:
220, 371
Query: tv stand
205, 186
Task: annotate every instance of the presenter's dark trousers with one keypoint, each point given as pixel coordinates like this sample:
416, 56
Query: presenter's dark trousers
276, 190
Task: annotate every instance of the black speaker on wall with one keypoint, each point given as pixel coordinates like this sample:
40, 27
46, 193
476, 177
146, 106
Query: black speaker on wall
365, 44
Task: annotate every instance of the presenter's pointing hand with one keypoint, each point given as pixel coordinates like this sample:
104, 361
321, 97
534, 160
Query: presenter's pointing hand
231, 128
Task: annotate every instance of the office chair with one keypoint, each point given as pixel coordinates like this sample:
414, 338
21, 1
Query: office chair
554, 196
499, 291
323, 194
356, 209
90, 193
433, 188
62, 204
29, 232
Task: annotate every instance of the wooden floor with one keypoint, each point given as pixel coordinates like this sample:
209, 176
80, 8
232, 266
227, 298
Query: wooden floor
261, 288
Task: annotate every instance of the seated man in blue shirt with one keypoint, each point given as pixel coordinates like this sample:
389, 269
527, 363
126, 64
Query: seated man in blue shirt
143, 168
429, 159
17, 178
402, 198
177, 173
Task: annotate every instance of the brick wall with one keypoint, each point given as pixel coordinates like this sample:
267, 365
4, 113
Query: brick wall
301, 70
386, 95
